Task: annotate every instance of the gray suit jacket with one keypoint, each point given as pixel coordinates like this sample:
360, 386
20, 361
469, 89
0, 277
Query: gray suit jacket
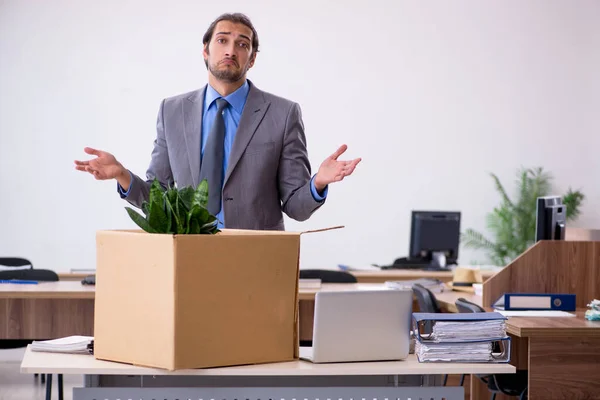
268, 173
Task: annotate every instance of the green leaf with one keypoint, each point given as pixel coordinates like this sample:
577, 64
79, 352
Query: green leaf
501, 190
181, 217
187, 197
201, 194
140, 220
157, 216
573, 200
145, 208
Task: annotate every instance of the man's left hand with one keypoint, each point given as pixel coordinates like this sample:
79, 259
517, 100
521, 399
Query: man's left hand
333, 170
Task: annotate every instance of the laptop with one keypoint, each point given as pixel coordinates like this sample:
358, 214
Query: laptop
360, 325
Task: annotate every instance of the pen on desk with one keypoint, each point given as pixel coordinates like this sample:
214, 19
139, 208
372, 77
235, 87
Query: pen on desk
18, 281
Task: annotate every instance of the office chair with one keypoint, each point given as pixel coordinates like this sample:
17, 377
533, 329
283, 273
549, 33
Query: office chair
40, 275
513, 385
328, 276
15, 262
427, 304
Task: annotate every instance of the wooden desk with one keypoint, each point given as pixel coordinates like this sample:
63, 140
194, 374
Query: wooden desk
407, 274
71, 276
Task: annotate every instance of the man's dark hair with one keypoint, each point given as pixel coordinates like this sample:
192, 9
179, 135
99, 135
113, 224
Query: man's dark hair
237, 18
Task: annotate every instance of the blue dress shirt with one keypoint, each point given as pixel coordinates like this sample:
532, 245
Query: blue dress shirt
231, 115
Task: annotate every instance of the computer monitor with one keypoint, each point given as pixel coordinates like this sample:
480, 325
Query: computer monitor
551, 218
435, 237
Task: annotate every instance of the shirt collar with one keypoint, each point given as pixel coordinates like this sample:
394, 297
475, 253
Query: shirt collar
237, 99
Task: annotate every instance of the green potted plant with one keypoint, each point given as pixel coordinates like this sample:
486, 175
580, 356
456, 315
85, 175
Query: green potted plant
176, 211
512, 222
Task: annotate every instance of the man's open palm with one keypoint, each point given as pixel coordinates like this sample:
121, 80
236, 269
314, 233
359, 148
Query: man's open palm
334, 170
104, 166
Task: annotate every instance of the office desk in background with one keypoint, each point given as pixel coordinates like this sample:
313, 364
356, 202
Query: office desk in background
362, 276
408, 274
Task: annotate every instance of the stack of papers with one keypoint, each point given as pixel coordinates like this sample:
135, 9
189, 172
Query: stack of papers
461, 337
458, 331
434, 285
71, 344
456, 352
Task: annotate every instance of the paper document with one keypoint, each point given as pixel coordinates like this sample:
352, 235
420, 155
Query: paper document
467, 352
464, 331
434, 285
541, 313
70, 344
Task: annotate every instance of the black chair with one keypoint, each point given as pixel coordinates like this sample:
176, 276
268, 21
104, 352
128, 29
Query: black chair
425, 299
40, 275
510, 385
328, 276
427, 304
15, 262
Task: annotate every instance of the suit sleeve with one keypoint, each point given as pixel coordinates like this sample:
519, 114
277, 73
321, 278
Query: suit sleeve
294, 175
160, 168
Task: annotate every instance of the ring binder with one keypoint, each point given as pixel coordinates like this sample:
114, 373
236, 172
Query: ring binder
467, 337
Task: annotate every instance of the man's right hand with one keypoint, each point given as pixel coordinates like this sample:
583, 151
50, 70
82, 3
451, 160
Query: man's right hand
104, 166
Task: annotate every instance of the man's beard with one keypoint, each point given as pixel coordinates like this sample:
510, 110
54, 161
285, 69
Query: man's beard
228, 74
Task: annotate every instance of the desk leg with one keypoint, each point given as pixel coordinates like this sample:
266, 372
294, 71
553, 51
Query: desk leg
564, 368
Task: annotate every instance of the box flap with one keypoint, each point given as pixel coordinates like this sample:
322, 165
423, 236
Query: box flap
323, 229
253, 232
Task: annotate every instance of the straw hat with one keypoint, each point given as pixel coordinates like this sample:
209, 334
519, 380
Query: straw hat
464, 278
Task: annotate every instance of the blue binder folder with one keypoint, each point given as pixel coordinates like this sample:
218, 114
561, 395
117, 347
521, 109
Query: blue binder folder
536, 301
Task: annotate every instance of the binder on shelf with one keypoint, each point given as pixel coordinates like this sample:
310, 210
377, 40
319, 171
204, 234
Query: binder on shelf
459, 326
495, 351
536, 301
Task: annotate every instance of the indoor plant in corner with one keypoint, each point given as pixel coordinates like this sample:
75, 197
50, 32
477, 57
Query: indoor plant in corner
513, 222
177, 211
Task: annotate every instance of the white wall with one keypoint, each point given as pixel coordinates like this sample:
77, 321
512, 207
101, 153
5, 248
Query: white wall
432, 95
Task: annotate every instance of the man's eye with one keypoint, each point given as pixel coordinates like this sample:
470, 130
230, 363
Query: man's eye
220, 40
243, 45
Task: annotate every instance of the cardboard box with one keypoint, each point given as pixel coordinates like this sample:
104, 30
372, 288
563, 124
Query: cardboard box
195, 301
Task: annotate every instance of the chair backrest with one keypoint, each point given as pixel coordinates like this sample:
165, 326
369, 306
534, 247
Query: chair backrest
465, 306
42, 275
425, 299
328, 276
15, 262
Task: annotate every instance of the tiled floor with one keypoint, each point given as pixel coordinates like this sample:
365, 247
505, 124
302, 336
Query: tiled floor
17, 386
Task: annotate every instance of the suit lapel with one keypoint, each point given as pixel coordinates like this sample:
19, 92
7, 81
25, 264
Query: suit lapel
192, 121
253, 113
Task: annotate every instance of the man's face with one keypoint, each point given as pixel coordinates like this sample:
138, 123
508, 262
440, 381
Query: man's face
228, 52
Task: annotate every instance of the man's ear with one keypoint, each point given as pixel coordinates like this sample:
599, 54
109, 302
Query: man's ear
252, 60
205, 51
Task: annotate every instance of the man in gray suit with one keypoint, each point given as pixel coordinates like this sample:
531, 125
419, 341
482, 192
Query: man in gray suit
249, 144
